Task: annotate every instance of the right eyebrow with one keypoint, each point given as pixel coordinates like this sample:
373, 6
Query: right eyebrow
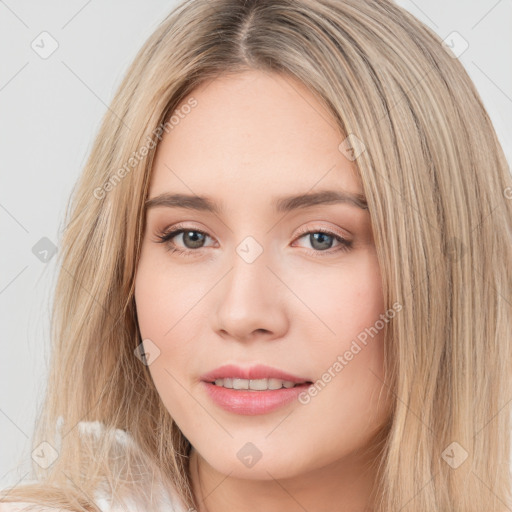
189, 202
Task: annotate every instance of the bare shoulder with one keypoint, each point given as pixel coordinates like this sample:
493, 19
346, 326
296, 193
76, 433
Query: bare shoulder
23, 506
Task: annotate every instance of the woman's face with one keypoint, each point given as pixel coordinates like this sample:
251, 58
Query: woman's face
265, 281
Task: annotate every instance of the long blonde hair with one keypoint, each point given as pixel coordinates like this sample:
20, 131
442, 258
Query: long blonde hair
438, 189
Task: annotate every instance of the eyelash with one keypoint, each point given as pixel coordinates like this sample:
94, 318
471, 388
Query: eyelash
166, 237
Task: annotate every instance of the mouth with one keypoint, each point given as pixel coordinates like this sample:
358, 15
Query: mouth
254, 378
255, 390
265, 384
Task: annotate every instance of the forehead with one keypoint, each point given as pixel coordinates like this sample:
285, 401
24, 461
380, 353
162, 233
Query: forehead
251, 136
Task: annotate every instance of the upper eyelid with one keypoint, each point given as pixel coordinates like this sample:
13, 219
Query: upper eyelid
319, 228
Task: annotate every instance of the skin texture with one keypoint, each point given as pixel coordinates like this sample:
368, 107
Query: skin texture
297, 307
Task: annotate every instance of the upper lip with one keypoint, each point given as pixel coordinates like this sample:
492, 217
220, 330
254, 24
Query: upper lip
259, 371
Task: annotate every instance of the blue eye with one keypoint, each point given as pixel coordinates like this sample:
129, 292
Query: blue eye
193, 239
323, 240
191, 236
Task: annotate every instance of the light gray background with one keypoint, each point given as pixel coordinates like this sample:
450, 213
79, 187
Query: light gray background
50, 112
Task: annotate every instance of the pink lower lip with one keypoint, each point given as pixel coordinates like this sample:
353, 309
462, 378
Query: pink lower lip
252, 402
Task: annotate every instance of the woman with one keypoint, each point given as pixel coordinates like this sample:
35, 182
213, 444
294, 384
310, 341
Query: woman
286, 277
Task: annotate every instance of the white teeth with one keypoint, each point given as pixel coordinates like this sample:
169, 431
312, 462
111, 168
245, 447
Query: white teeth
240, 384
275, 384
258, 384
254, 384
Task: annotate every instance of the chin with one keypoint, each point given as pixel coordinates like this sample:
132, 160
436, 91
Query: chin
249, 464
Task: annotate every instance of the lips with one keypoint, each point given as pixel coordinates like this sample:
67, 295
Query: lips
250, 401
251, 373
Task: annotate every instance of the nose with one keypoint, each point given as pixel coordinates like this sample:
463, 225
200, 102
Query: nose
251, 302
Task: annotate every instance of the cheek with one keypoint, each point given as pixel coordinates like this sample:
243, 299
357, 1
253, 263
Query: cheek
349, 353
167, 314
360, 302
347, 300
165, 298
161, 315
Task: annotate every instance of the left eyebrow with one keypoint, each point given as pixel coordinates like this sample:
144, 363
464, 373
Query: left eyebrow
324, 197
282, 204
